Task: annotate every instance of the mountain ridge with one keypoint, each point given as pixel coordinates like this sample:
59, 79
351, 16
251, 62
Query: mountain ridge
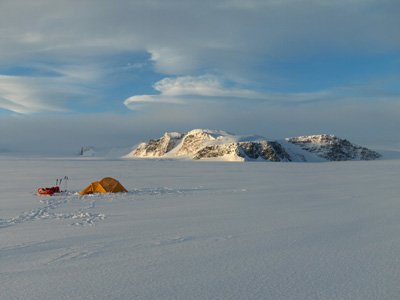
206, 144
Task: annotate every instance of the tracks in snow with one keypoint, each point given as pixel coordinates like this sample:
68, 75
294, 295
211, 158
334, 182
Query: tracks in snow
83, 216
80, 217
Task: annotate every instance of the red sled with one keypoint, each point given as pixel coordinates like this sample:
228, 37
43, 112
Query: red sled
45, 191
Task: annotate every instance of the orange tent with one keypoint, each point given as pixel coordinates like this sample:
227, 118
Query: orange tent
106, 185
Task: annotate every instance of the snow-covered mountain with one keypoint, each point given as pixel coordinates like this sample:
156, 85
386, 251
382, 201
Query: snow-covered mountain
333, 148
204, 144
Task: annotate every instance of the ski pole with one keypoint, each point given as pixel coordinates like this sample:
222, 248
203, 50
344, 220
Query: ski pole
66, 182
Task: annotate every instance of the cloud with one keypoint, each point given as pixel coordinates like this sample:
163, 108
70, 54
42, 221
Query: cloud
185, 37
236, 40
178, 90
52, 87
210, 89
26, 95
32, 94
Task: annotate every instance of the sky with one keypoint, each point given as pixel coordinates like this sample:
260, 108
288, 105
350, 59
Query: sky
115, 73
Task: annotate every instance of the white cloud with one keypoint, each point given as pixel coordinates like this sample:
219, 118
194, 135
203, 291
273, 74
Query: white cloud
181, 89
235, 39
210, 89
24, 94
185, 37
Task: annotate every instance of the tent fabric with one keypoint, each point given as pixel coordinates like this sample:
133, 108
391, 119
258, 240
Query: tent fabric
106, 185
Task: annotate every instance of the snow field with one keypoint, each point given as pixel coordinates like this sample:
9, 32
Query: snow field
199, 230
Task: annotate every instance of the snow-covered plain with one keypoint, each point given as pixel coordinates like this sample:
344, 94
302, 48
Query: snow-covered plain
201, 230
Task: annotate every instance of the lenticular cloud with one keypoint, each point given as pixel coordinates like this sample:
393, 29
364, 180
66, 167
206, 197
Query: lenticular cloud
183, 89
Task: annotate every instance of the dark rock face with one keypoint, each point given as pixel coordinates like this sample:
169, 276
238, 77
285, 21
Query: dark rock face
272, 151
250, 149
214, 151
333, 148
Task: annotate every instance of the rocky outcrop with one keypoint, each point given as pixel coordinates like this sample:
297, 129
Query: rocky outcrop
159, 147
87, 151
333, 148
221, 150
194, 141
272, 151
202, 144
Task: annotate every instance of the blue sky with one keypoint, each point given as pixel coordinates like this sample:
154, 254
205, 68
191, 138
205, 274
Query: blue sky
134, 69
